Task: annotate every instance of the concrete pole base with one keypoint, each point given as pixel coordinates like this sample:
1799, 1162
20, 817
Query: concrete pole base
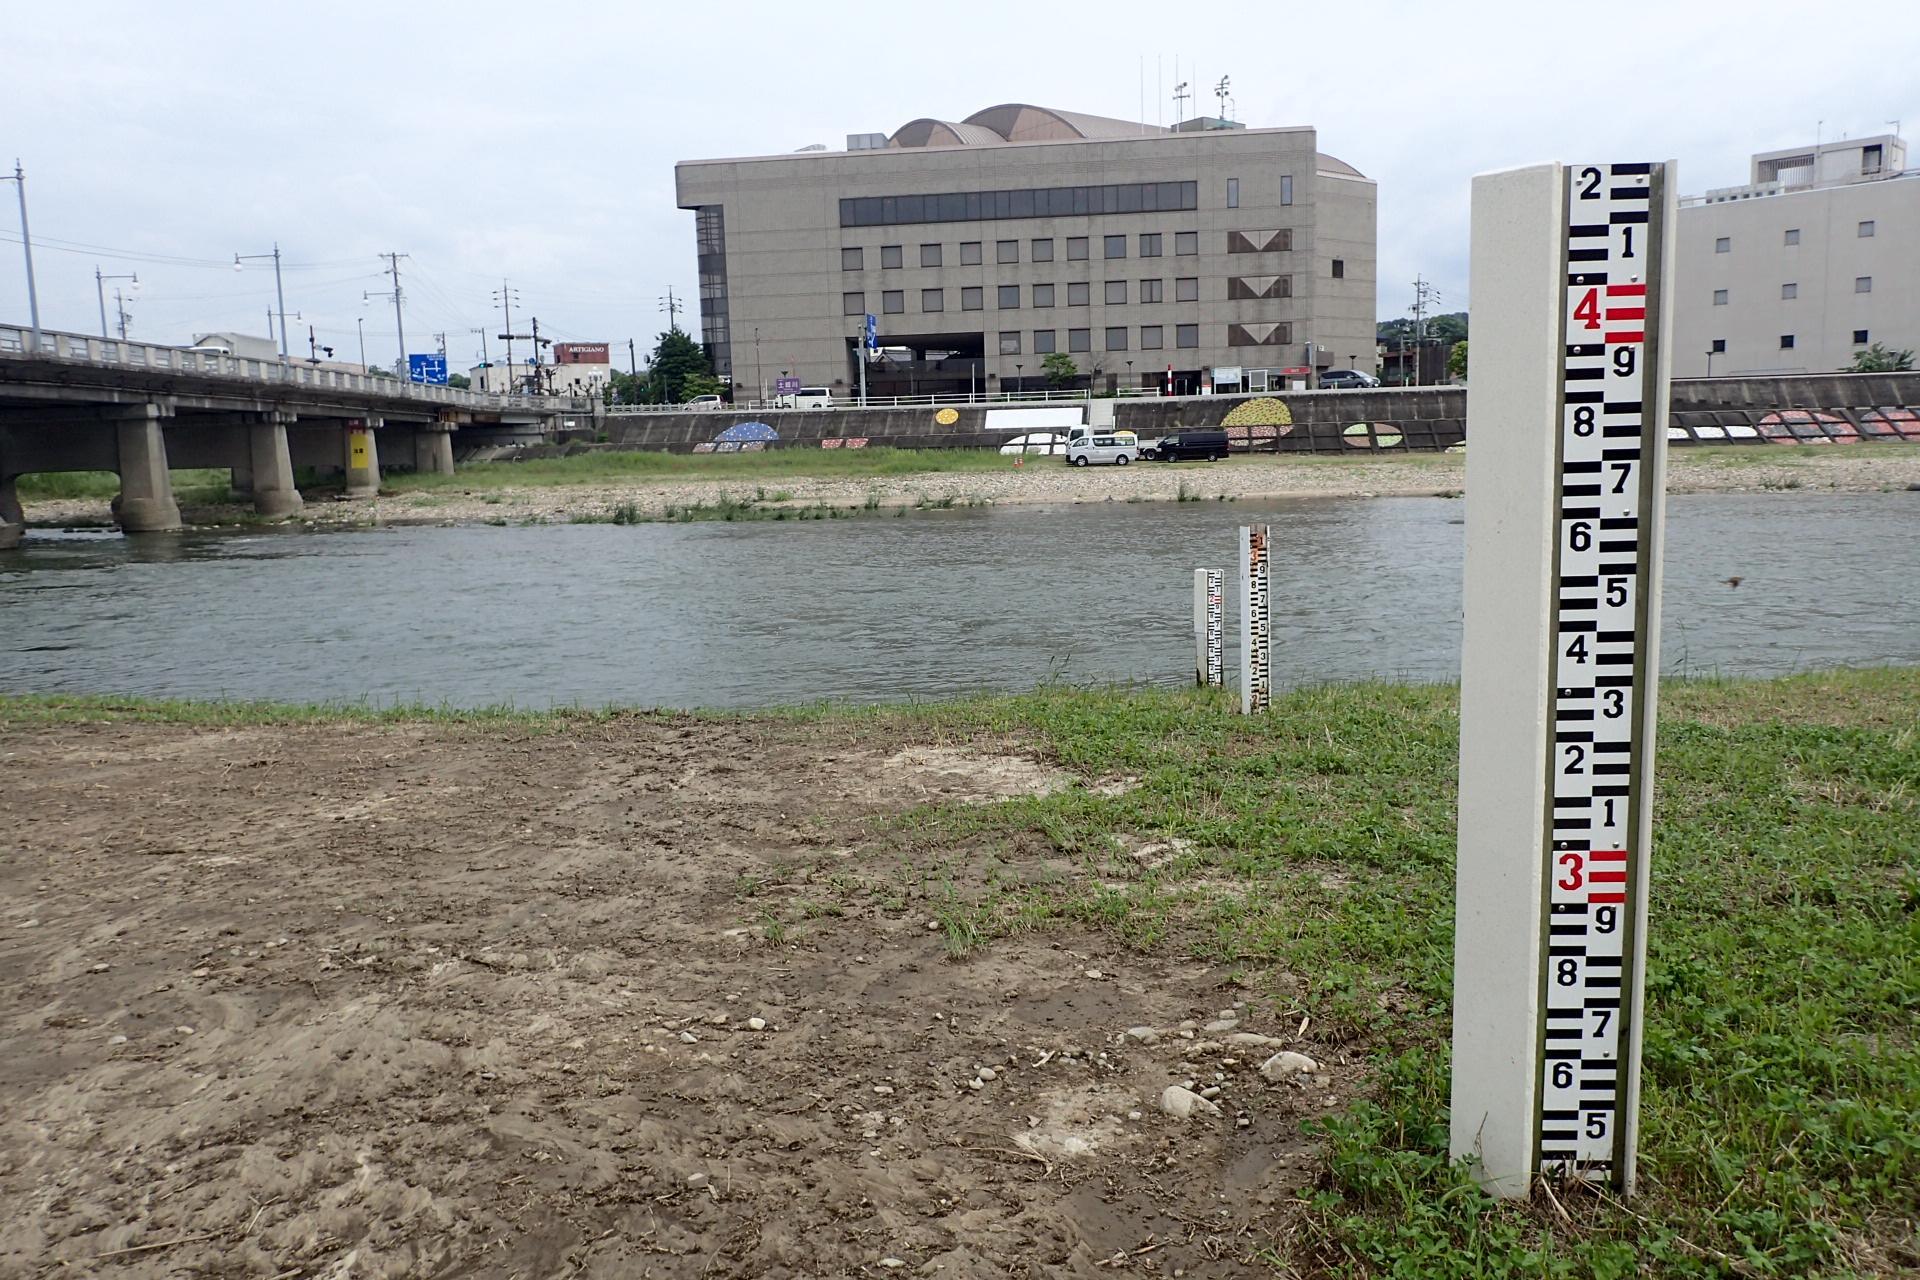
271, 466
433, 452
145, 504
13, 520
363, 463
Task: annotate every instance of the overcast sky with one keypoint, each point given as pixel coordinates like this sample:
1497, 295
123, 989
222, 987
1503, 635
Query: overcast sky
536, 143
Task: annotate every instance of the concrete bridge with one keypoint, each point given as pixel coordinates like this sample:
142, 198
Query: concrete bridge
83, 403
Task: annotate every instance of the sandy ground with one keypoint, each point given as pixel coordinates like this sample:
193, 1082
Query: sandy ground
1855, 469
440, 1000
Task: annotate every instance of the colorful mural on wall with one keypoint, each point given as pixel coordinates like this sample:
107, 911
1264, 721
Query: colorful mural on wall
742, 432
1372, 435
844, 442
947, 417
1262, 419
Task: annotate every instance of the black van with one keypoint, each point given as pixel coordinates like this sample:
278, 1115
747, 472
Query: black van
1190, 446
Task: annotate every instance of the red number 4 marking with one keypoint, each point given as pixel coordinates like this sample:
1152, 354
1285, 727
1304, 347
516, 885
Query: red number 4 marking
1589, 309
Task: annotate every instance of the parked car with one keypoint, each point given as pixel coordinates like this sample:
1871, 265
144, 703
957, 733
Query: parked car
1118, 448
1347, 380
706, 403
1187, 446
807, 398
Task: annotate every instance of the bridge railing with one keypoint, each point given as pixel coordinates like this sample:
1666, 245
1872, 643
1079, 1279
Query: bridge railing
76, 348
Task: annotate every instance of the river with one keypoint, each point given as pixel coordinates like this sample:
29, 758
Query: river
881, 607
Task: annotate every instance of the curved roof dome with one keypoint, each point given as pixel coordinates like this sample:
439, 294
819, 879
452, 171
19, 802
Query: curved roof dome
928, 132
1014, 122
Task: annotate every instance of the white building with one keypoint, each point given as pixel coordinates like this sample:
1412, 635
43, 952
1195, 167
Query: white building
578, 369
1814, 259
498, 377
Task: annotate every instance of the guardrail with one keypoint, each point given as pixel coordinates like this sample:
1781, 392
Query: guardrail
77, 348
897, 402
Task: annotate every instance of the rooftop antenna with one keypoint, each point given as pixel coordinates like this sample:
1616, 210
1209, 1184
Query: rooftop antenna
1220, 94
1180, 96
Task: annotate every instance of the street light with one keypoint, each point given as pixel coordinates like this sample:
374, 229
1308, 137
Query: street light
100, 287
360, 324
1709, 362
26, 242
279, 292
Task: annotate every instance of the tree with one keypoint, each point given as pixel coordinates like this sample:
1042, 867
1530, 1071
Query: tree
701, 384
676, 357
1448, 329
1457, 360
1878, 359
1059, 368
460, 380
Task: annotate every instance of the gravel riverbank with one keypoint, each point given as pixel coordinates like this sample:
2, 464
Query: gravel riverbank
1858, 469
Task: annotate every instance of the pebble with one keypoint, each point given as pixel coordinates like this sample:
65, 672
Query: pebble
1211, 1092
1286, 1064
101, 968
687, 1037
1095, 974
987, 1073
974, 1083
756, 1024
1181, 1103
117, 1040
892, 1264
1252, 1040
1219, 1025
1133, 1115
718, 1020
933, 926
697, 1181
883, 1088
1145, 1035
184, 1030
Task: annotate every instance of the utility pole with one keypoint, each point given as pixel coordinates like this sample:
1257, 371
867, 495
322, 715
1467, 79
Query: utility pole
100, 287
279, 292
120, 309
360, 324
672, 306
536, 375
485, 363
441, 338
633, 372
1423, 294
505, 296
19, 179
399, 322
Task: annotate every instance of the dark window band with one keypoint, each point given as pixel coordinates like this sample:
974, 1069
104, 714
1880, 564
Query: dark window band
1035, 202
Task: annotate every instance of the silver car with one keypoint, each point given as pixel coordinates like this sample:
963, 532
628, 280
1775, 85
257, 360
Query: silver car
1117, 449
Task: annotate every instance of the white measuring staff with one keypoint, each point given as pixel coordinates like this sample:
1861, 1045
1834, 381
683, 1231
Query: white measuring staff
1209, 623
1565, 499
1256, 618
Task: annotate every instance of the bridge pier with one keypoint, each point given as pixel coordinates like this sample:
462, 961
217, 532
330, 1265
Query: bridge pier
433, 449
362, 458
145, 504
270, 467
13, 520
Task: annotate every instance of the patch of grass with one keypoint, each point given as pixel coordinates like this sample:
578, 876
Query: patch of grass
612, 466
195, 486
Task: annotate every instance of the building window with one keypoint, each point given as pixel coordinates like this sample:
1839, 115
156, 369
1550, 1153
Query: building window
969, 253
1150, 290
1786, 342
1149, 244
1117, 337
1151, 338
1719, 297
1871, 160
850, 259
1339, 268
1866, 229
1030, 202
890, 257
1076, 248
853, 304
929, 255
1286, 188
1009, 297
1793, 235
1116, 293
1114, 247
1186, 289
1719, 346
1233, 193
1009, 342
1186, 335
1043, 295
893, 301
1077, 295
972, 298
1186, 243
1789, 291
1859, 337
1863, 284
1079, 339
933, 299
1005, 251
1043, 342
1723, 245
1043, 251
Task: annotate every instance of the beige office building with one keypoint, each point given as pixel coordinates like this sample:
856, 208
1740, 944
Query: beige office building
1815, 258
1216, 252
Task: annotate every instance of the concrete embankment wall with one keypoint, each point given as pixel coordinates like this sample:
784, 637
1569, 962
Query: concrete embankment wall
1841, 406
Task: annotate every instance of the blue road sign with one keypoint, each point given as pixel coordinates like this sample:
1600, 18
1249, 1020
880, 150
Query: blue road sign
431, 369
873, 334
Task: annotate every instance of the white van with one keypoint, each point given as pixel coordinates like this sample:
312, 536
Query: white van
811, 398
1117, 447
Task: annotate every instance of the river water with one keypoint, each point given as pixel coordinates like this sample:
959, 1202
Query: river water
882, 607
